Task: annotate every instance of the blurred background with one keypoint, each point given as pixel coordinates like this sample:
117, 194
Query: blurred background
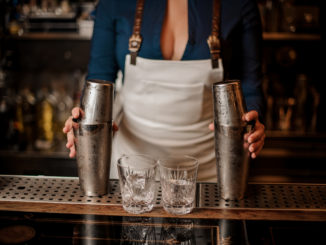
44, 51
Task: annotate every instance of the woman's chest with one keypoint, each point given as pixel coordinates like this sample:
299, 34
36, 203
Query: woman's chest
198, 16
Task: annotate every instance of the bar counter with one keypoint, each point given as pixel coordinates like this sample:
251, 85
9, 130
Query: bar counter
293, 202
45, 201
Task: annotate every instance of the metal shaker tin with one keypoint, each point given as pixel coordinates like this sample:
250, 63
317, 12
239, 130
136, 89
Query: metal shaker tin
93, 143
229, 103
232, 159
93, 138
97, 101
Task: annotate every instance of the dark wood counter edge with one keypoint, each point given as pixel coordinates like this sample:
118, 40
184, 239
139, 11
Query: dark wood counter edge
198, 213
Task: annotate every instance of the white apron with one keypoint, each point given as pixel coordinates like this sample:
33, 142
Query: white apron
167, 107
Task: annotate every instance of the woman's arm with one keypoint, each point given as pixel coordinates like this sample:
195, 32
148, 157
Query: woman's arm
250, 55
251, 46
102, 63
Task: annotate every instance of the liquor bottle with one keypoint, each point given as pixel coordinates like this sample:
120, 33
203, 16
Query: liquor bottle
6, 113
25, 119
286, 113
301, 95
44, 119
314, 108
62, 111
272, 15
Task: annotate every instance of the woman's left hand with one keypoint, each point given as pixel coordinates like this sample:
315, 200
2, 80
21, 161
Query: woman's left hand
255, 139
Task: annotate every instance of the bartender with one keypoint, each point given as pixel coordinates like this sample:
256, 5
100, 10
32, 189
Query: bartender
170, 53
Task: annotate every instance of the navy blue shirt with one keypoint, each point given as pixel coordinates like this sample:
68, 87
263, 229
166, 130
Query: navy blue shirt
240, 35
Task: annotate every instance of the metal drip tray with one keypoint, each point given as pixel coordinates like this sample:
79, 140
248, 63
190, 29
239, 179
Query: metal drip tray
268, 196
66, 190
55, 190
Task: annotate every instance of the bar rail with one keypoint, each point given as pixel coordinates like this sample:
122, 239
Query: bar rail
281, 201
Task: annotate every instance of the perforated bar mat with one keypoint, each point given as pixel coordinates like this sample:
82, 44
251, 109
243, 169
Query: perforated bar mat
55, 190
268, 196
259, 196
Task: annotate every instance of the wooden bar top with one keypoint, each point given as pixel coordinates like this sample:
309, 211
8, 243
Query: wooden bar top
202, 213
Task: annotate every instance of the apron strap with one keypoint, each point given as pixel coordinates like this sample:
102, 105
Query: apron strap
135, 40
213, 40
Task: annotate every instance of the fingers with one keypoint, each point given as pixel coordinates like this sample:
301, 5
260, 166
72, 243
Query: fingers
250, 116
68, 125
72, 151
211, 126
115, 127
256, 140
68, 129
256, 147
75, 112
70, 139
246, 136
256, 134
71, 143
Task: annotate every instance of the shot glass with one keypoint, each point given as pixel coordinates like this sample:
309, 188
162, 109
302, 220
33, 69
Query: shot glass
178, 176
137, 182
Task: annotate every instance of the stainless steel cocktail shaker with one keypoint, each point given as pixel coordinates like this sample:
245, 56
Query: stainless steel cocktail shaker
232, 159
94, 138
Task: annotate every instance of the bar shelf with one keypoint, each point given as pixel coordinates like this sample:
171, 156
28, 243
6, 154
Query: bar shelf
288, 36
50, 36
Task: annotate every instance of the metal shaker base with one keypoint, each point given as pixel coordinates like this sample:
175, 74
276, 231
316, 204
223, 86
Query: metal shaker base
66, 190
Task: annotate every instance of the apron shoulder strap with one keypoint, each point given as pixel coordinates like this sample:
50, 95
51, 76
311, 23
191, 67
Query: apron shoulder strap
135, 40
213, 40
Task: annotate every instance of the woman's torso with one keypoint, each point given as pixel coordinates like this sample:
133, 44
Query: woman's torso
121, 14
240, 33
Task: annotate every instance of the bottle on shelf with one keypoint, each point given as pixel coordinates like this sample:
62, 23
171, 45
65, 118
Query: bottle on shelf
62, 111
25, 119
271, 14
79, 79
44, 119
301, 95
315, 106
6, 113
308, 100
288, 15
286, 114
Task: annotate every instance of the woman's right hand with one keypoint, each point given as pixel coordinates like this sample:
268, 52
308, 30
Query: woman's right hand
68, 129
